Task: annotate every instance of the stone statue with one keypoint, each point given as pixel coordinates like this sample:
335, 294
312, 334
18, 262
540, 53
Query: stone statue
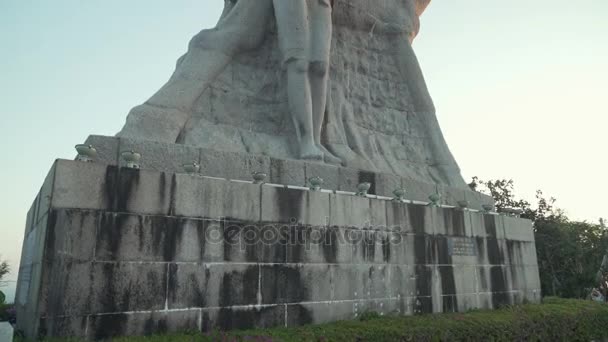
298, 80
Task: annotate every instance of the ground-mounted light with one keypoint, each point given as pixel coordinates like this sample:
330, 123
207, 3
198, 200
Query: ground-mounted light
86, 153
192, 167
131, 158
434, 199
399, 195
258, 177
315, 183
363, 188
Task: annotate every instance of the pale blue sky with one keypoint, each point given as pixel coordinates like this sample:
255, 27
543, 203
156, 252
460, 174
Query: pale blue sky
520, 87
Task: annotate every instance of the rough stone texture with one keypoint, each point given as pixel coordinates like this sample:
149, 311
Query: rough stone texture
230, 92
240, 166
228, 255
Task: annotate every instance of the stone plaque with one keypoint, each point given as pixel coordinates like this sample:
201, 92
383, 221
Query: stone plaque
462, 246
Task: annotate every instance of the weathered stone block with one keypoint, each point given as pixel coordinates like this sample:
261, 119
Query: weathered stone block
295, 283
287, 172
160, 156
45, 195
420, 219
70, 326
350, 211
348, 179
213, 198
518, 229
194, 285
418, 191
80, 185
450, 195
295, 206
126, 237
121, 287
232, 165
71, 234
107, 149
397, 217
329, 173
386, 184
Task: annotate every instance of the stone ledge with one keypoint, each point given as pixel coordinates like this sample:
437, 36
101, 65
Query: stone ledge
233, 165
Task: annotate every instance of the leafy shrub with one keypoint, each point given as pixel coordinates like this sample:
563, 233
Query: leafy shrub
554, 320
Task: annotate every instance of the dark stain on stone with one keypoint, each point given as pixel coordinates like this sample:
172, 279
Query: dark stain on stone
172, 195
289, 202
514, 251
483, 279
240, 241
206, 324
424, 301
298, 315
155, 326
368, 245
370, 178
185, 288
417, 214
161, 187
296, 243
108, 299
166, 235
110, 186
108, 326
128, 181
495, 256
386, 249
489, 222
251, 245
201, 231
448, 287
455, 220
481, 249
422, 252
498, 287
239, 319
51, 226
330, 245
441, 250
239, 287
110, 235
283, 284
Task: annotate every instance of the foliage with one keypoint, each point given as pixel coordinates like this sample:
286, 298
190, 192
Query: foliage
7, 312
569, 252
554, 320
4, 269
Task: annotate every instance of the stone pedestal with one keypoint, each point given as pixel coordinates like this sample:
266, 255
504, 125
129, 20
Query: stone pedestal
115, 251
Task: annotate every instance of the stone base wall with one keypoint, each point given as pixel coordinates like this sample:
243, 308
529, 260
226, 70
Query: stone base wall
115, 251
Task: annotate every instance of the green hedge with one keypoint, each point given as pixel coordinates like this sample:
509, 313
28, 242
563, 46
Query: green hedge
554, 320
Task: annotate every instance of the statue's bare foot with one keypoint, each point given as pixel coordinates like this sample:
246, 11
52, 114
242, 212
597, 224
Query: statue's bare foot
149, 122
329, 157
311, 152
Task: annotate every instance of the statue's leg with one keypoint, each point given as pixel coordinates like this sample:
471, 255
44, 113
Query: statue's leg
319, 54
294, 35
440, 154
164, 115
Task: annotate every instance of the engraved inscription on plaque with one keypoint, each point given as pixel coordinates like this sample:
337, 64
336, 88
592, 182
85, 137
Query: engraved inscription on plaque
462, 246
